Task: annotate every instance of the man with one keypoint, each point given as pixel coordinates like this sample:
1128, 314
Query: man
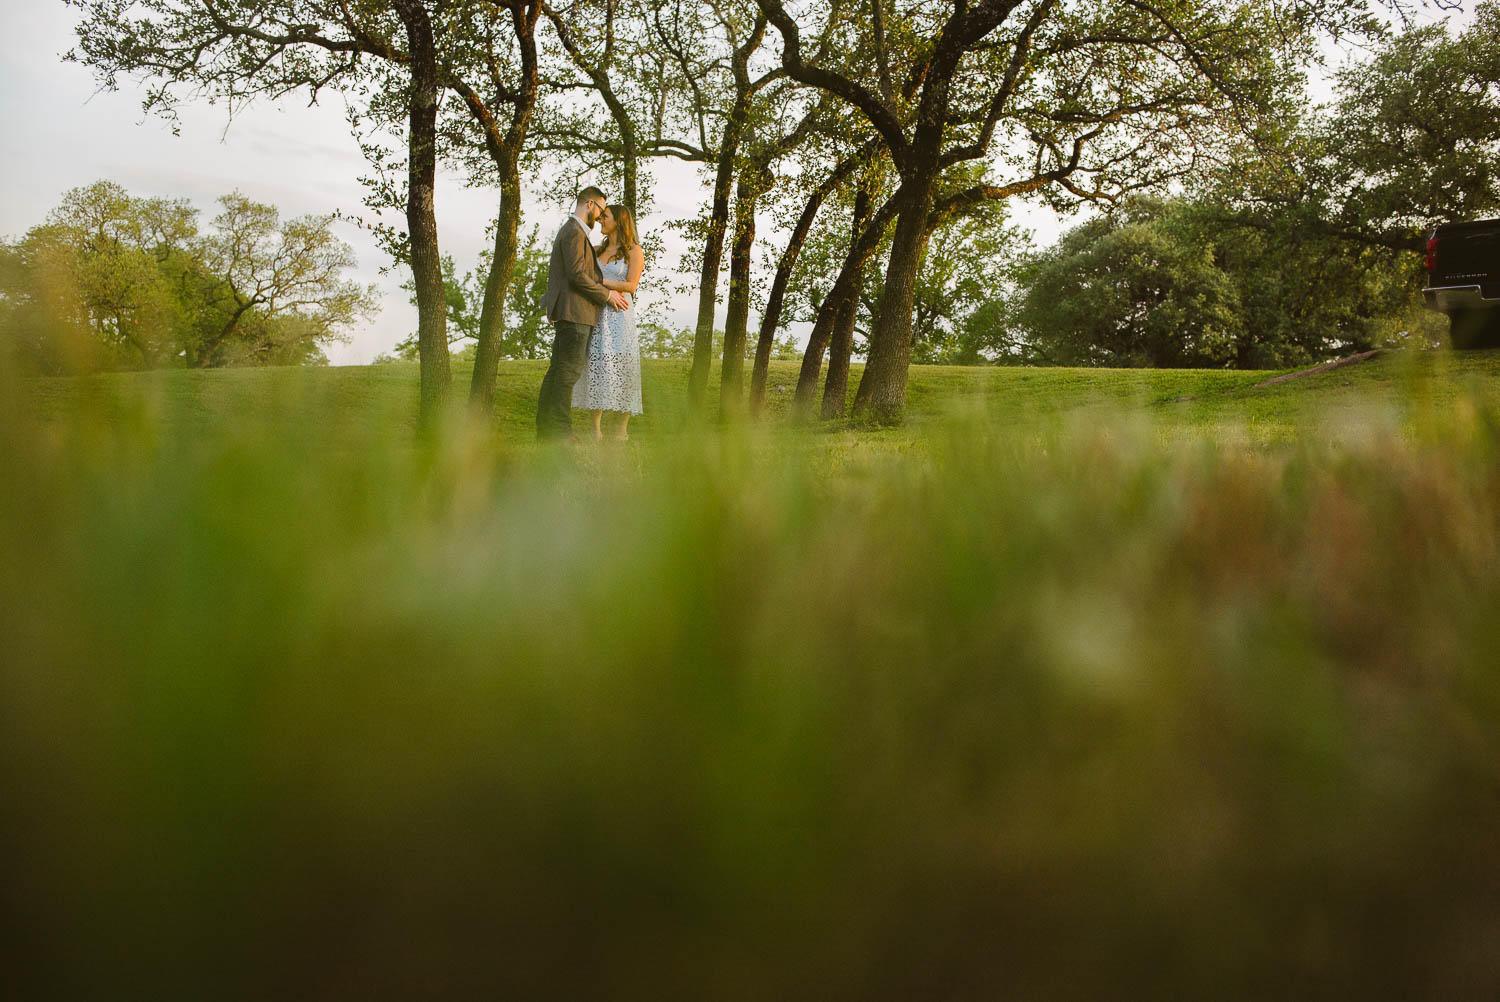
575, 295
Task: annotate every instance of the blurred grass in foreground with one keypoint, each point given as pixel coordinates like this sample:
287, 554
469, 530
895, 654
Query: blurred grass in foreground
1101, 705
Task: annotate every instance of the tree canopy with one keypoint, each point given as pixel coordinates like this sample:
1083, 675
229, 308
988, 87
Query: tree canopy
1309, 251
120, 281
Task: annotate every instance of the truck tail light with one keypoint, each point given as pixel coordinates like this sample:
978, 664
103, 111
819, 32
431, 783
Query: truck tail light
1431, 253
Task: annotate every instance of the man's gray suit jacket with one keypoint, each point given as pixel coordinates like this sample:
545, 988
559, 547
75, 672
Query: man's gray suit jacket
575, 285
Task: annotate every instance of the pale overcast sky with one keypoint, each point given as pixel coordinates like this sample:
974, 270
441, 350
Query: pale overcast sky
57, 133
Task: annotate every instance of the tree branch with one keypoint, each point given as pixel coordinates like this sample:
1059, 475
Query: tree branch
1013, 69
882, 117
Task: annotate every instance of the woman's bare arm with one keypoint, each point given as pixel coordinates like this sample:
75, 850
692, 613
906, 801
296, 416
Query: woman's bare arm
633, 277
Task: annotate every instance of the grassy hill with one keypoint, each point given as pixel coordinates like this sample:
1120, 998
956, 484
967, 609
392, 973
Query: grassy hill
1080, 684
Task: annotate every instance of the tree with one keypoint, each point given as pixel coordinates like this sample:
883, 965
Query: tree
1126, 290
235, 54
756, 182
969, 263
421, 215
43, 328
991, 334
487, 72
111, 279
648, 67
837, 318
966, 265
959, 303
834, 313
658, 341
490, 61
771, 316
1165, 283
1323, 229
525, 332
273, 286
1412, 140
744, 43
118, 259
1088, 103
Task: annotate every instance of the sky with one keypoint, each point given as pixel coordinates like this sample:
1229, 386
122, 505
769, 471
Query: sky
58, 132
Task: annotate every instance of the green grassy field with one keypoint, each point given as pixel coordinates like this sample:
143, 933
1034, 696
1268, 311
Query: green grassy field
1079, 684
1227, 404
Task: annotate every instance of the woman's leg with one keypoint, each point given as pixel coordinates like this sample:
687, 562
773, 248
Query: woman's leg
598, 435
620, 433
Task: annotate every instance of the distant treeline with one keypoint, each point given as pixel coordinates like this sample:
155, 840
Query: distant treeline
116, 281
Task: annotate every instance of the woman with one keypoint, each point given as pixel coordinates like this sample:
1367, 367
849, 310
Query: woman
612, 381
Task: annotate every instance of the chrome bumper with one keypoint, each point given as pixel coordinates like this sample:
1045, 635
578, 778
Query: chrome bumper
1452, 299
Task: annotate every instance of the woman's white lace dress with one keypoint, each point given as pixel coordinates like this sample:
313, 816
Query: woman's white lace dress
612, 381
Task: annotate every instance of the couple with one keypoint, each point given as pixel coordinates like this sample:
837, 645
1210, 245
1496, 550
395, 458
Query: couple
588, 303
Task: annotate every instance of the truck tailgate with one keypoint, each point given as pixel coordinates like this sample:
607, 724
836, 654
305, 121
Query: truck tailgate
1468, 254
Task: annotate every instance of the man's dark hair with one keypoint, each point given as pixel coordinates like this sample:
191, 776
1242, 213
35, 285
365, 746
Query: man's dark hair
591, 192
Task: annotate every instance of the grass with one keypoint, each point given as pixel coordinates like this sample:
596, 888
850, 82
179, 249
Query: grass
1068, 688
1228, 404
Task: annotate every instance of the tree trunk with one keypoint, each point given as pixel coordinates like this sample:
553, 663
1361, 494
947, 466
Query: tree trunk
421, 219
497, 283
841, 345
817, 344
846, 285
147, 357
771, 319
732, 374
882, 391
713, 252
504, 152
206, 351
713, 256
629, 168
841, 350
629, 146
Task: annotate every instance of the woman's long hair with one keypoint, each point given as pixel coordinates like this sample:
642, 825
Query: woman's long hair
625, 236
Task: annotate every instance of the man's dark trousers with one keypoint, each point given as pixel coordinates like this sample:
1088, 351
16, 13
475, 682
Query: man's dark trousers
570, 352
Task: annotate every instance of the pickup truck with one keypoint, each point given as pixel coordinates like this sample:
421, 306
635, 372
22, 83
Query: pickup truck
1463, 281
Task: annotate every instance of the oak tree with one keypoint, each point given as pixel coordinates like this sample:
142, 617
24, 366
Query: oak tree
1084, 102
